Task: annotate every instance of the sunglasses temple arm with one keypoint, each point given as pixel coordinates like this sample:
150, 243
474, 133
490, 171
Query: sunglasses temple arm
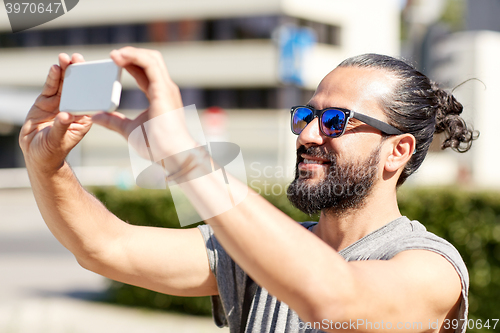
380, 125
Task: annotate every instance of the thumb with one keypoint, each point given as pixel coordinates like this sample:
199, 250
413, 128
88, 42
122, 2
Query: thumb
61, 124
114, 121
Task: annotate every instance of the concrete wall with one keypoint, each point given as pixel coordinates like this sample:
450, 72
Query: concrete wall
483, 15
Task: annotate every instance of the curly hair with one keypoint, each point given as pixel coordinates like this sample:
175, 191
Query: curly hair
418, 106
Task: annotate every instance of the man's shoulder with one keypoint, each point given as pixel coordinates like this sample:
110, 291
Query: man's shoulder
412, 235
399, 235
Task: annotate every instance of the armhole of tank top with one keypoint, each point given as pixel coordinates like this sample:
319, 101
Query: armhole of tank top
308, 225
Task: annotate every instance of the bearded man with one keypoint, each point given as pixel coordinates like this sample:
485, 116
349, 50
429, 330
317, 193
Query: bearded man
362, 267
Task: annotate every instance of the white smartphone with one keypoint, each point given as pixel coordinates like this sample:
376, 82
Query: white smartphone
91, 87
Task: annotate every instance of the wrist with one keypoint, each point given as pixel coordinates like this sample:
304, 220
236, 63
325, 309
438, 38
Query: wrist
188, 165
45, 171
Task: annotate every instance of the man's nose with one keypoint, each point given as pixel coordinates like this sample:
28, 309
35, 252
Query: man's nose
311, 135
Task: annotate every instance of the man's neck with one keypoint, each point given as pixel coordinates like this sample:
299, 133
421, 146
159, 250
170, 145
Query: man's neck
340, 230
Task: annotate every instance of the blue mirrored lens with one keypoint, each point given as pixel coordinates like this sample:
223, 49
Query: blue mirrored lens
333, 122
300, 118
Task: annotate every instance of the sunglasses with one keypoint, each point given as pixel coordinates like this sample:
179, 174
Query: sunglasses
333, 121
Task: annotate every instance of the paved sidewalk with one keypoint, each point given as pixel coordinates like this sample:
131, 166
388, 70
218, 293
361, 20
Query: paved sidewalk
44, 290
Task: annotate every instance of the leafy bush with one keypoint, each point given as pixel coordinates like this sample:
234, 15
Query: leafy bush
153, 208
469, 220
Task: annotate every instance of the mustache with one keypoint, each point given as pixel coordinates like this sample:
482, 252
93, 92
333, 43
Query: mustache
315, 151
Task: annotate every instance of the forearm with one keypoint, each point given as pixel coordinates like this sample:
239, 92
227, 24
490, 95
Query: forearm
77, 219
289, 261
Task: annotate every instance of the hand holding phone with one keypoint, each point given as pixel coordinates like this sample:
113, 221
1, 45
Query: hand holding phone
91, 87
48, 135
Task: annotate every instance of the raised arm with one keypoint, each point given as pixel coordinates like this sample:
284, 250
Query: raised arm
169, 261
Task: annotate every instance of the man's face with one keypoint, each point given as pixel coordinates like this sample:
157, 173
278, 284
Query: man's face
344, 186
338, 174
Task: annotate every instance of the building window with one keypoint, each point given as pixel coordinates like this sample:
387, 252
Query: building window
241, 28
325, 33
249, 98
10, 153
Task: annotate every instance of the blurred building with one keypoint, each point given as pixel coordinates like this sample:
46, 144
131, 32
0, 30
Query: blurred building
482, 15
465, 62
227, 53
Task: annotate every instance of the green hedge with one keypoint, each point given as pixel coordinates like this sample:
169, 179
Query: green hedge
150, 208
469, 220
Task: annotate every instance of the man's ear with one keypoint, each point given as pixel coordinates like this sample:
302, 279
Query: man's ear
402, 147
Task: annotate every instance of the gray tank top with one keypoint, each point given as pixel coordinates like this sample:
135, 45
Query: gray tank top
267, 314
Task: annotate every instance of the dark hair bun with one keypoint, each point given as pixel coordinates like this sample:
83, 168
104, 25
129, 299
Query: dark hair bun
458, 136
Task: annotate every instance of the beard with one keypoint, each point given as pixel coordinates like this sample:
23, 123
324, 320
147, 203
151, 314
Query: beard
345, 186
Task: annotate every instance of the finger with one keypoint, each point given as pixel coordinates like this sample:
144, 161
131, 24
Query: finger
143, 58
152, 64
65, 61
139, 76
137, 72
61, 123
114, 121
44, 109
52, 83
76, 58
45, 106
161, 63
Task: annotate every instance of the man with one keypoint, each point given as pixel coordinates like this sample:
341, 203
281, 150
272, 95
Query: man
325, 275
